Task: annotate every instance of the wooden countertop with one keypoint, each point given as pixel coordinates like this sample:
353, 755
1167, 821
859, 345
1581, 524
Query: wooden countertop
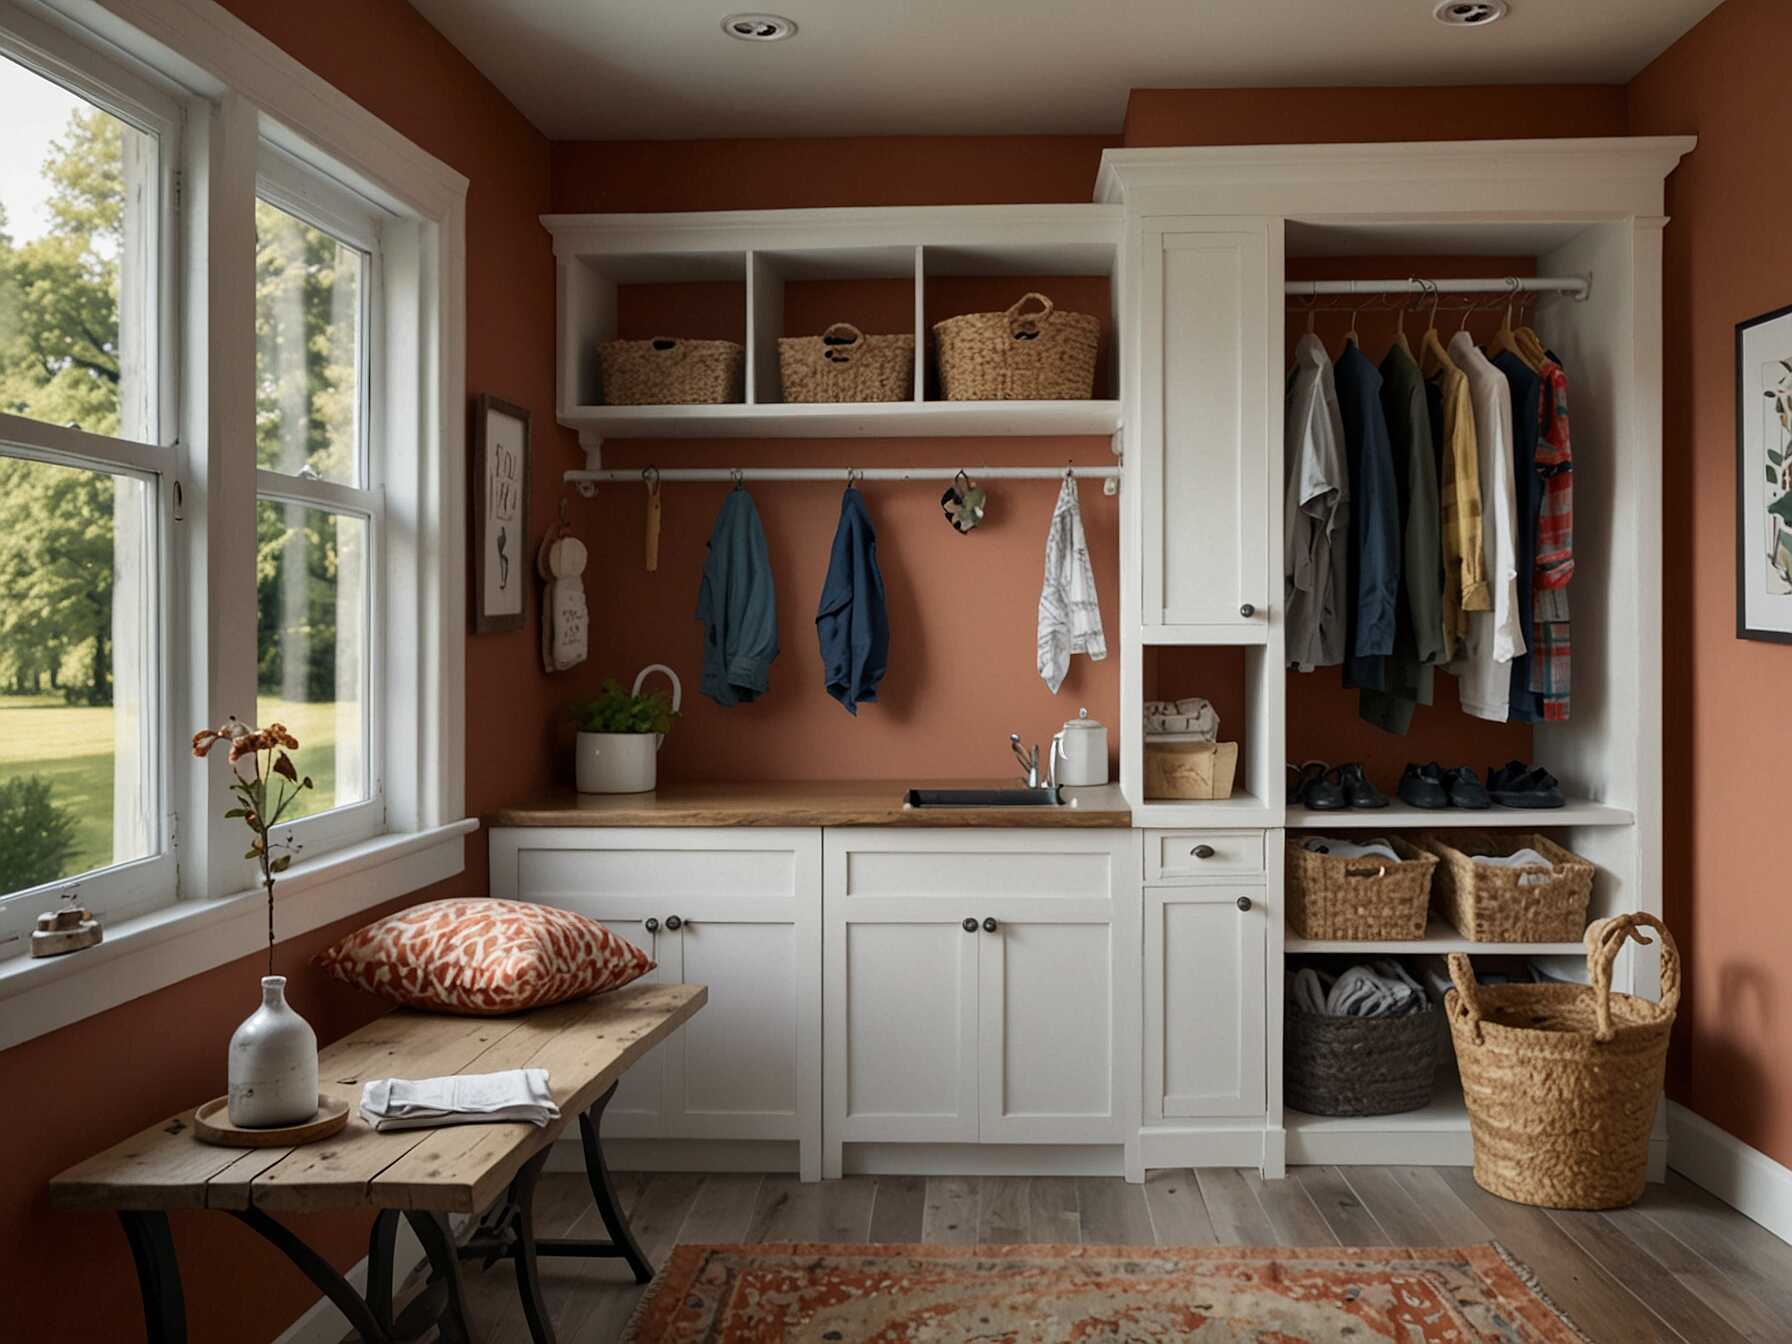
809, 803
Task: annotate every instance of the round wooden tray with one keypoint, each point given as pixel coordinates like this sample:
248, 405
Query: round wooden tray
211, 1124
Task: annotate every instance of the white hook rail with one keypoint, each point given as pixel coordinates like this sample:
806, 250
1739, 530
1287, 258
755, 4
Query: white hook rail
713, 475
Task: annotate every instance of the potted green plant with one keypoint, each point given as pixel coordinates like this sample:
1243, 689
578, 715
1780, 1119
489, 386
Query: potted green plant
620, 733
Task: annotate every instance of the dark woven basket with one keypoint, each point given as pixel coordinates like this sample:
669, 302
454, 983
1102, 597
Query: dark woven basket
1360, 1065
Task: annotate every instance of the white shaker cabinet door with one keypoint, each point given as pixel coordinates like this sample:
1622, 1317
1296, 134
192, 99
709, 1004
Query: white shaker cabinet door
1048, 1038
1205, 423
1204, 1004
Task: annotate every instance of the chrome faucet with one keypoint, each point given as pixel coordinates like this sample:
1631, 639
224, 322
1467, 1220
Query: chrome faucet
1029, 763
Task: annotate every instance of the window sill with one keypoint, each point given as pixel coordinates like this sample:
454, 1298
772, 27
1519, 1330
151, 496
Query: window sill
165, 946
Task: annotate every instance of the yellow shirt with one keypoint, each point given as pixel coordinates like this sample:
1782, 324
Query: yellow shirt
1459, 495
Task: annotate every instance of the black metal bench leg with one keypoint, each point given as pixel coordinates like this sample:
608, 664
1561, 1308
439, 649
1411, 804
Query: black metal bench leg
321, 1272
382, 1244
528, 1277
158, 1276
437, 1236
597, 1172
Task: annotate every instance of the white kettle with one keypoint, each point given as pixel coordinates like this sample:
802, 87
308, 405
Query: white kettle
1080, 753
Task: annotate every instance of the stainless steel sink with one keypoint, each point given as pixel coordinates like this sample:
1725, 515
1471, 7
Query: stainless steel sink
983, 798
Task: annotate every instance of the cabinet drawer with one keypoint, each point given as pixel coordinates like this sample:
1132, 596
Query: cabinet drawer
1180, 854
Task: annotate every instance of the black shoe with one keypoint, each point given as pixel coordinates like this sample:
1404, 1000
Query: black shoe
1464, 787
1516, 784
1423, 786
1320, 790
1358, 791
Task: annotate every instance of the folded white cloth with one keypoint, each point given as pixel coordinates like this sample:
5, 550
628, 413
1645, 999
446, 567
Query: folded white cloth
460, 1099
1350, 849
1524, 858
1191, 718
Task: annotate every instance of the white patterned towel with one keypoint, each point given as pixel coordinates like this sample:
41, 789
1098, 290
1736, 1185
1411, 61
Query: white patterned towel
1069, 614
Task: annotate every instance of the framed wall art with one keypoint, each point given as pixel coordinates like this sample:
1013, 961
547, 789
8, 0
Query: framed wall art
1764, 477
500, 515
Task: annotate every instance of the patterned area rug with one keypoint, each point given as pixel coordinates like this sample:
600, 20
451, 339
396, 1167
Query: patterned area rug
1094, 1295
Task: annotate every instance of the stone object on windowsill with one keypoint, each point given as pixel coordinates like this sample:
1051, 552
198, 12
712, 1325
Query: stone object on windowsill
66, 930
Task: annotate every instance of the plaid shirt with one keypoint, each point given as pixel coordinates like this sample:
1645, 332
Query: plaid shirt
1552, 648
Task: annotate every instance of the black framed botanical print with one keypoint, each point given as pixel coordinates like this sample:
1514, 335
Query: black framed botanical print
1764, 477
500, 514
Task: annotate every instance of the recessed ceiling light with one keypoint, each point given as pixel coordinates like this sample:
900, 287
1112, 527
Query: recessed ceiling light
759, 27
1470, 13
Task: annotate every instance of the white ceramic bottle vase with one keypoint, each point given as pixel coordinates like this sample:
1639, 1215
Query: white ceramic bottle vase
273, 1064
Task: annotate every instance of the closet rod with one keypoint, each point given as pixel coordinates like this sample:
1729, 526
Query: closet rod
1575, 286
695, 475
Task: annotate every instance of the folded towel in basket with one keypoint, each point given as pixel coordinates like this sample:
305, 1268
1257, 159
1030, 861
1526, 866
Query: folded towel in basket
460, 1099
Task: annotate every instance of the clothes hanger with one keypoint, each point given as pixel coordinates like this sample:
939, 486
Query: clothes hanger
1350, 336
1400, 311
1505, 340
1530, 344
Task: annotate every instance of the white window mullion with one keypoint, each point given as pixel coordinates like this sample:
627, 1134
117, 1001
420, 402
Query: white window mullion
219, 528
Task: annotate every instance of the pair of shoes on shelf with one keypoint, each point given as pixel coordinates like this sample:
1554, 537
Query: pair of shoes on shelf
1435, 788
1333, 788
1516, 784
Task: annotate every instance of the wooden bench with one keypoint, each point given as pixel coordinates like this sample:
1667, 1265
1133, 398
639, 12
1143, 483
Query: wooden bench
422, 1175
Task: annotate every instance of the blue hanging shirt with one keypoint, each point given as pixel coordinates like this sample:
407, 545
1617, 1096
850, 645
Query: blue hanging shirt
852, 621
737, 605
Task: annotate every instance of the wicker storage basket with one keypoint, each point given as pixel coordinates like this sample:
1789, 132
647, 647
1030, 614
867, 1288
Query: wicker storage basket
1490, 904
1332, 897
1044, 355
1198, 770
844, 364
1360, 1065
665, 371
1562, 1081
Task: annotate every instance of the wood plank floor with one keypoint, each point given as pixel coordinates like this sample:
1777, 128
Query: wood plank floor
1680, 1267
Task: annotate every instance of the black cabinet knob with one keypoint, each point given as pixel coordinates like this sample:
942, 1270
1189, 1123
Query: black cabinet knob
990, 925
1202, 851
1244, 902
1247, 610
652, 925
674, 923
970, 924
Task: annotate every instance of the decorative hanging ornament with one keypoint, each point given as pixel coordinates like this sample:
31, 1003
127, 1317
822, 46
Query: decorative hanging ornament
964, 503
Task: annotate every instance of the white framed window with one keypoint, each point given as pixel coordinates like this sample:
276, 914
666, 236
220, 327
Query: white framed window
320, 510
232, 466
89, 422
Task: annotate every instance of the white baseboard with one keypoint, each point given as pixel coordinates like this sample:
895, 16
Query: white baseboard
1743, 1177
323, 1324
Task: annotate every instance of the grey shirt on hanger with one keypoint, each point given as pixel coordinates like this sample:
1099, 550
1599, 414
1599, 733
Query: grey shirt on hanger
1315, 513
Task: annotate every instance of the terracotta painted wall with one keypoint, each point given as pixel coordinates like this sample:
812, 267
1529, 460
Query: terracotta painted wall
1728, 258
100, 1080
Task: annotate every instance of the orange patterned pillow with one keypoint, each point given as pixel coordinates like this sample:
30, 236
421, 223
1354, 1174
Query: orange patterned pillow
484, 957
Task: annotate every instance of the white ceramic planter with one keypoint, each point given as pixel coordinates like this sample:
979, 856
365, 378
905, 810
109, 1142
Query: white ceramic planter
273, 1064
623, 762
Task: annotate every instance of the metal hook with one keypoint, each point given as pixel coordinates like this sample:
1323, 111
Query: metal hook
650, 477
1430, 287
853, 474
562, 510
1468, 310
738, 476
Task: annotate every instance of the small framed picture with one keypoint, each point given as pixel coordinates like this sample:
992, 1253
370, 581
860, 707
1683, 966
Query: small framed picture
500, 515
1764, 477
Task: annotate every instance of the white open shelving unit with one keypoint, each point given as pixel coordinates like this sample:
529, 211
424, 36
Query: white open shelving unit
763, 253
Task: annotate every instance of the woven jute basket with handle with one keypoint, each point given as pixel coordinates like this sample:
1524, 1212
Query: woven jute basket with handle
1562, 1081
1334, 897
668, 371
1040, 355
844, 364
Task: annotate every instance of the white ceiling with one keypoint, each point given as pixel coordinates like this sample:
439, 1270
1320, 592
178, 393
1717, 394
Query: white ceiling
663, 69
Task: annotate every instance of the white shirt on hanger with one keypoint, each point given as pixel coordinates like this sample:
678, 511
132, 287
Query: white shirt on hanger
1482, 663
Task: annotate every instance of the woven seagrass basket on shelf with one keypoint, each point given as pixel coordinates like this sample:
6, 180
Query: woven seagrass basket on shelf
1494, 903
1360, 1065
666, 371
1039, 355
844, 364
1562, 1081
1333, 897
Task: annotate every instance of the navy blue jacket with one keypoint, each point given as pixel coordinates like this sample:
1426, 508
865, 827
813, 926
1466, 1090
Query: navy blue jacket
1374, 550
852, 621
738, 606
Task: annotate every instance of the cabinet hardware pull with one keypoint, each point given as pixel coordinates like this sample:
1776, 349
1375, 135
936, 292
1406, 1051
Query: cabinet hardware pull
990, 925
1202, 851
652, 925
674, 923
970, 924
1247, 610
1244, 902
